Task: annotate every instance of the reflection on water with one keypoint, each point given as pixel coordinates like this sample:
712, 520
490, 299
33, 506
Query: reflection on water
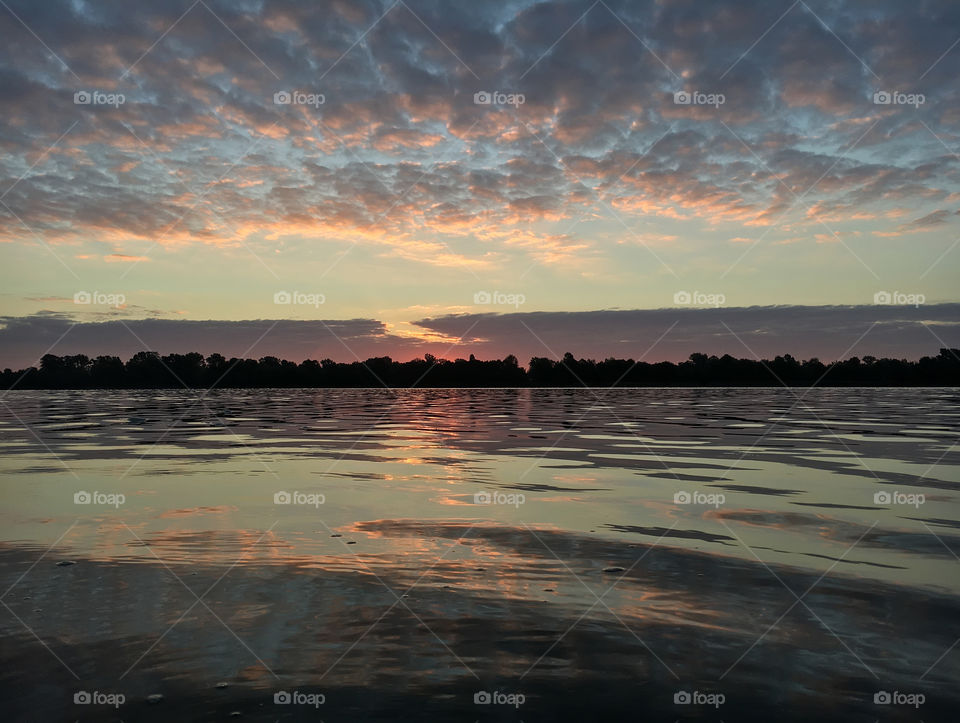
398, 552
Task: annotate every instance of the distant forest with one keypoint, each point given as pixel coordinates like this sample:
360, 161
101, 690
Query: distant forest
149, 370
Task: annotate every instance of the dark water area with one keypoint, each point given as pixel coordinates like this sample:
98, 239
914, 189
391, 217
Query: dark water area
409, 555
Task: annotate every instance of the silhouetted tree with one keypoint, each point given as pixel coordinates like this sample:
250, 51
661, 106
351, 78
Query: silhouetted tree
147, 369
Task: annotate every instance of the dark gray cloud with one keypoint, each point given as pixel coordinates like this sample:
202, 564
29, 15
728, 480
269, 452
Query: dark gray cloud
24, 339
828, 332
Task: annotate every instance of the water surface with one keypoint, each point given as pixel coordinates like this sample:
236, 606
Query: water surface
813, 566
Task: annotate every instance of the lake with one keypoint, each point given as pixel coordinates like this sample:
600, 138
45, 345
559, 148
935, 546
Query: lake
499, 554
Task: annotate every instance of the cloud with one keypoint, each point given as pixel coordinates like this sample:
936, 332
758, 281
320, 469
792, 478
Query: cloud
118, 258
828, 332
199, 152
930, 222
25, 339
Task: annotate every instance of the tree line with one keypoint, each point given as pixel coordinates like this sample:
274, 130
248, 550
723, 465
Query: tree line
150, 370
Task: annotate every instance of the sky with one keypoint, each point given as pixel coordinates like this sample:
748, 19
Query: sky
638, 179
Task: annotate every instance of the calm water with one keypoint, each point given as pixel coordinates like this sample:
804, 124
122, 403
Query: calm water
574, 554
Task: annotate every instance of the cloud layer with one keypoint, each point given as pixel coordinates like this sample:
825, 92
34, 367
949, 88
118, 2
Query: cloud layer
193, 153
399, 154
828, 332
